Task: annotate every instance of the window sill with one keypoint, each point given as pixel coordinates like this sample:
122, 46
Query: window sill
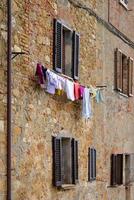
115, 186
122, 94
124, 5
68, 186
128, 185
125, 95
92, 181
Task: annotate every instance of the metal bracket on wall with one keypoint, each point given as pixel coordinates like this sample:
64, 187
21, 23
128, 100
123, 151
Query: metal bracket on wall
101, 86
16, 54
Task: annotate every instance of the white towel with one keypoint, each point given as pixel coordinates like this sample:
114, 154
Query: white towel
70, 90
86, 104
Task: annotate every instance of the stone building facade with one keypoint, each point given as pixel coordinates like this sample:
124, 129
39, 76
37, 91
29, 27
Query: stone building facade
37, 116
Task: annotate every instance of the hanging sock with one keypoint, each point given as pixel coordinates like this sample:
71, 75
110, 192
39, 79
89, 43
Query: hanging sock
86, 104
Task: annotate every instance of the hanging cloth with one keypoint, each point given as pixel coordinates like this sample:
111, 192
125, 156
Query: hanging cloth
76, 90
81, 91
39, 74
70, 90
99, 97
52, 82
86, 104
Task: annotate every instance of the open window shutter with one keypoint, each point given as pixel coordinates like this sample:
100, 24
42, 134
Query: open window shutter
76, 49
127, 169
113, 169
130, 76
94, 156
131, 168
91, 171
118, 70
119, 169
125, 71
57, 162
74, 161
89, 164
58, 34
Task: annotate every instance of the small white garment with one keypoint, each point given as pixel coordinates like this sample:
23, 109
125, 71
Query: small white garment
70, 90
86, 104
61, 83
52, 81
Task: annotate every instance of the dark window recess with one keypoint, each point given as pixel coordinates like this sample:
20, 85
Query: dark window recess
123, 73
65, 161
119, 169
116, 169
66, 50
91, 164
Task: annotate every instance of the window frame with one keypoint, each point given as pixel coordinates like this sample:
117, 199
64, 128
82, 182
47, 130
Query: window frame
119, 73
127, 170
115, 179
58, 48
58, 165
91, 164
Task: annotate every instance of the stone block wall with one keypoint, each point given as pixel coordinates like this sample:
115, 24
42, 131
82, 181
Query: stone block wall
3, 36
118, 110
37, 116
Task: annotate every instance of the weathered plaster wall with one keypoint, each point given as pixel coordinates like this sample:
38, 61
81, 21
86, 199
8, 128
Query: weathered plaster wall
122, 18
117, 111
3, 36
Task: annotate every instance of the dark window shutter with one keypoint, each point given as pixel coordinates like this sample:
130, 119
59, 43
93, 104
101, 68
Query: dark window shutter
94, 164
127, 169
131, 168
57, 160
113, 169
118, 70
58, 36
130, 76
119, 169
63, 52
74, 161
76, 49
125, 74
91, 164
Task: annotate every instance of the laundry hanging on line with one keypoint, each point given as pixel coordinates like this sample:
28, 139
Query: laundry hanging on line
58, 84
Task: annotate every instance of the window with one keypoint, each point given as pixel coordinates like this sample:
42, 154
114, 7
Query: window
116, 169
65, 161
122, 169
123, 73
129, 169
91, 164
124, 3
66, 50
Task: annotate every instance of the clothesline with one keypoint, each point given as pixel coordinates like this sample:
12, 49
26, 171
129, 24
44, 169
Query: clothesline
55, 83
101, 87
